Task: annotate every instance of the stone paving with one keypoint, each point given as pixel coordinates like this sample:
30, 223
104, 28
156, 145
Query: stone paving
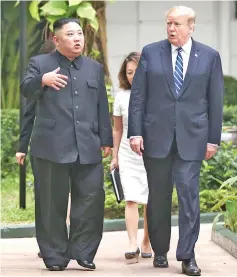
19, 258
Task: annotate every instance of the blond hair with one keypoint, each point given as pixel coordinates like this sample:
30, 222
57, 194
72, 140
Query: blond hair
189, 12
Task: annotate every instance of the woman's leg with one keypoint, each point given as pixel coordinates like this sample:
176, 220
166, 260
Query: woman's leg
146, 248
131, 218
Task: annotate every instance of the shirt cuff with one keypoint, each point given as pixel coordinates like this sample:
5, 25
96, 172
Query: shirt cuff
135, 137
216, 145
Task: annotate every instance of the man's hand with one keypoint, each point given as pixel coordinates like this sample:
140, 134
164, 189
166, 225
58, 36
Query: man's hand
20, 158
54, 80
136, 145
211, 151
106, 150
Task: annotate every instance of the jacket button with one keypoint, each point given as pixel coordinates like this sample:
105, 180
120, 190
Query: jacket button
76, 107
78, 122
76, 92
74, 78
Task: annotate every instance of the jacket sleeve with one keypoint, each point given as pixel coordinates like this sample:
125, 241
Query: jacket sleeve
31, 86
215, 101
27, 125
138, 98
105, 128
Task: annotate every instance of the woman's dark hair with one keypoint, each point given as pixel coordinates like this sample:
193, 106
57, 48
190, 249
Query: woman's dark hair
123, 80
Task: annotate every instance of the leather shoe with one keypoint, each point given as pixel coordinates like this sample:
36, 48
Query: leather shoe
190, 268
56, 268
86, 264
161, 261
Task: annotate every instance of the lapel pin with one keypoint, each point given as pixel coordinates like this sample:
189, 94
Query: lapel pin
196, 55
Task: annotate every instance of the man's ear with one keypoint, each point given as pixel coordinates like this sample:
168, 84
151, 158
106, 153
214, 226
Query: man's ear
55, 40
191, 28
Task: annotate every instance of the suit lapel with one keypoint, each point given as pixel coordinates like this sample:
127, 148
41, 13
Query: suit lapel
192, 64
166, 59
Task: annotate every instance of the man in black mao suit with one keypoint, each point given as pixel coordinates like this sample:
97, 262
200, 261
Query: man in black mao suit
175, 120
71, 128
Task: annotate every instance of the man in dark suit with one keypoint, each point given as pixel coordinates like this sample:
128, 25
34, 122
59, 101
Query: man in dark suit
175, 121
71, 129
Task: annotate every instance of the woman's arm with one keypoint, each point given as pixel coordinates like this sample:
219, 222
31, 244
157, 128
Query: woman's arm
117, 134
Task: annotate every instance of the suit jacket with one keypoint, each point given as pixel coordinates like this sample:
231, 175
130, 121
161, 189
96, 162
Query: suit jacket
194, 118
27, 125
71, 122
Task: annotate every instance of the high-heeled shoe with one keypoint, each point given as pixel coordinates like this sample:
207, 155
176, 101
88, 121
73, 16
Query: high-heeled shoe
145, 255
132, 254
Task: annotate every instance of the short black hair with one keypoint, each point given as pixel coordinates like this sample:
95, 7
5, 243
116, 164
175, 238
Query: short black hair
58, 24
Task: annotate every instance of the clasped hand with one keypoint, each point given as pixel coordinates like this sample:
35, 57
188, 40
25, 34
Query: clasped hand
54, 80
136, 145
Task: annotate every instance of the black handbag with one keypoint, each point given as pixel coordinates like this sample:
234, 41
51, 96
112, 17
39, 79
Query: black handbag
117, 185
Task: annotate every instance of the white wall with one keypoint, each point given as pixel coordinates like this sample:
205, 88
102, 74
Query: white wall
133, 24
233, 43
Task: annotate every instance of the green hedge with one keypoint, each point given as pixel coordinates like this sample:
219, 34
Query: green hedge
230, 97
9, 141
230, 115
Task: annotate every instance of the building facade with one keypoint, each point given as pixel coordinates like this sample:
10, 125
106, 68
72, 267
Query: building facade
133, 24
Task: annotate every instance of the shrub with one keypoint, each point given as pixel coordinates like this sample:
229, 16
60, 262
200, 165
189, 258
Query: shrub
9, 136
230, 115
230, 97
222, 166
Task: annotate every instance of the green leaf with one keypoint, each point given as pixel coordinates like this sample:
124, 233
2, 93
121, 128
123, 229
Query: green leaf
85, 10
229, 182
52, 18
215, 221
74, 2
231, 206
17, 3
94, 24
72, 11
54, 8
34, 10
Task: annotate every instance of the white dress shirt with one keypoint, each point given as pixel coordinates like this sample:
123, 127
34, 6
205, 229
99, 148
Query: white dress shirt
185, 53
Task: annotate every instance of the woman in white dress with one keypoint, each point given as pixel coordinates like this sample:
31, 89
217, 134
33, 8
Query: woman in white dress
131, 167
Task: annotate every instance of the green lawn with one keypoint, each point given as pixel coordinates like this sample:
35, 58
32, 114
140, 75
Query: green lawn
10, 211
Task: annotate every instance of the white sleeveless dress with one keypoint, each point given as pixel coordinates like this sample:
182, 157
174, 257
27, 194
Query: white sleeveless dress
131, 167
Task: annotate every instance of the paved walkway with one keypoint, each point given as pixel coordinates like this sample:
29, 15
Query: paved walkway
19, 258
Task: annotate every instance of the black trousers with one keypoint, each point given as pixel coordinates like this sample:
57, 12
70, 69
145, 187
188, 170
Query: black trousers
162, 174
87, 210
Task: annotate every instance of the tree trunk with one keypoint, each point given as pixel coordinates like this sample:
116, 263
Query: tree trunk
101, 36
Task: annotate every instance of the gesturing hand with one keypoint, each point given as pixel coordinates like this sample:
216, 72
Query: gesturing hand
54, 80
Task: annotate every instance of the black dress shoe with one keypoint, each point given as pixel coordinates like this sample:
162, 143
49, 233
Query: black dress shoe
56, 268
161, 261
86, 264
190, 268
